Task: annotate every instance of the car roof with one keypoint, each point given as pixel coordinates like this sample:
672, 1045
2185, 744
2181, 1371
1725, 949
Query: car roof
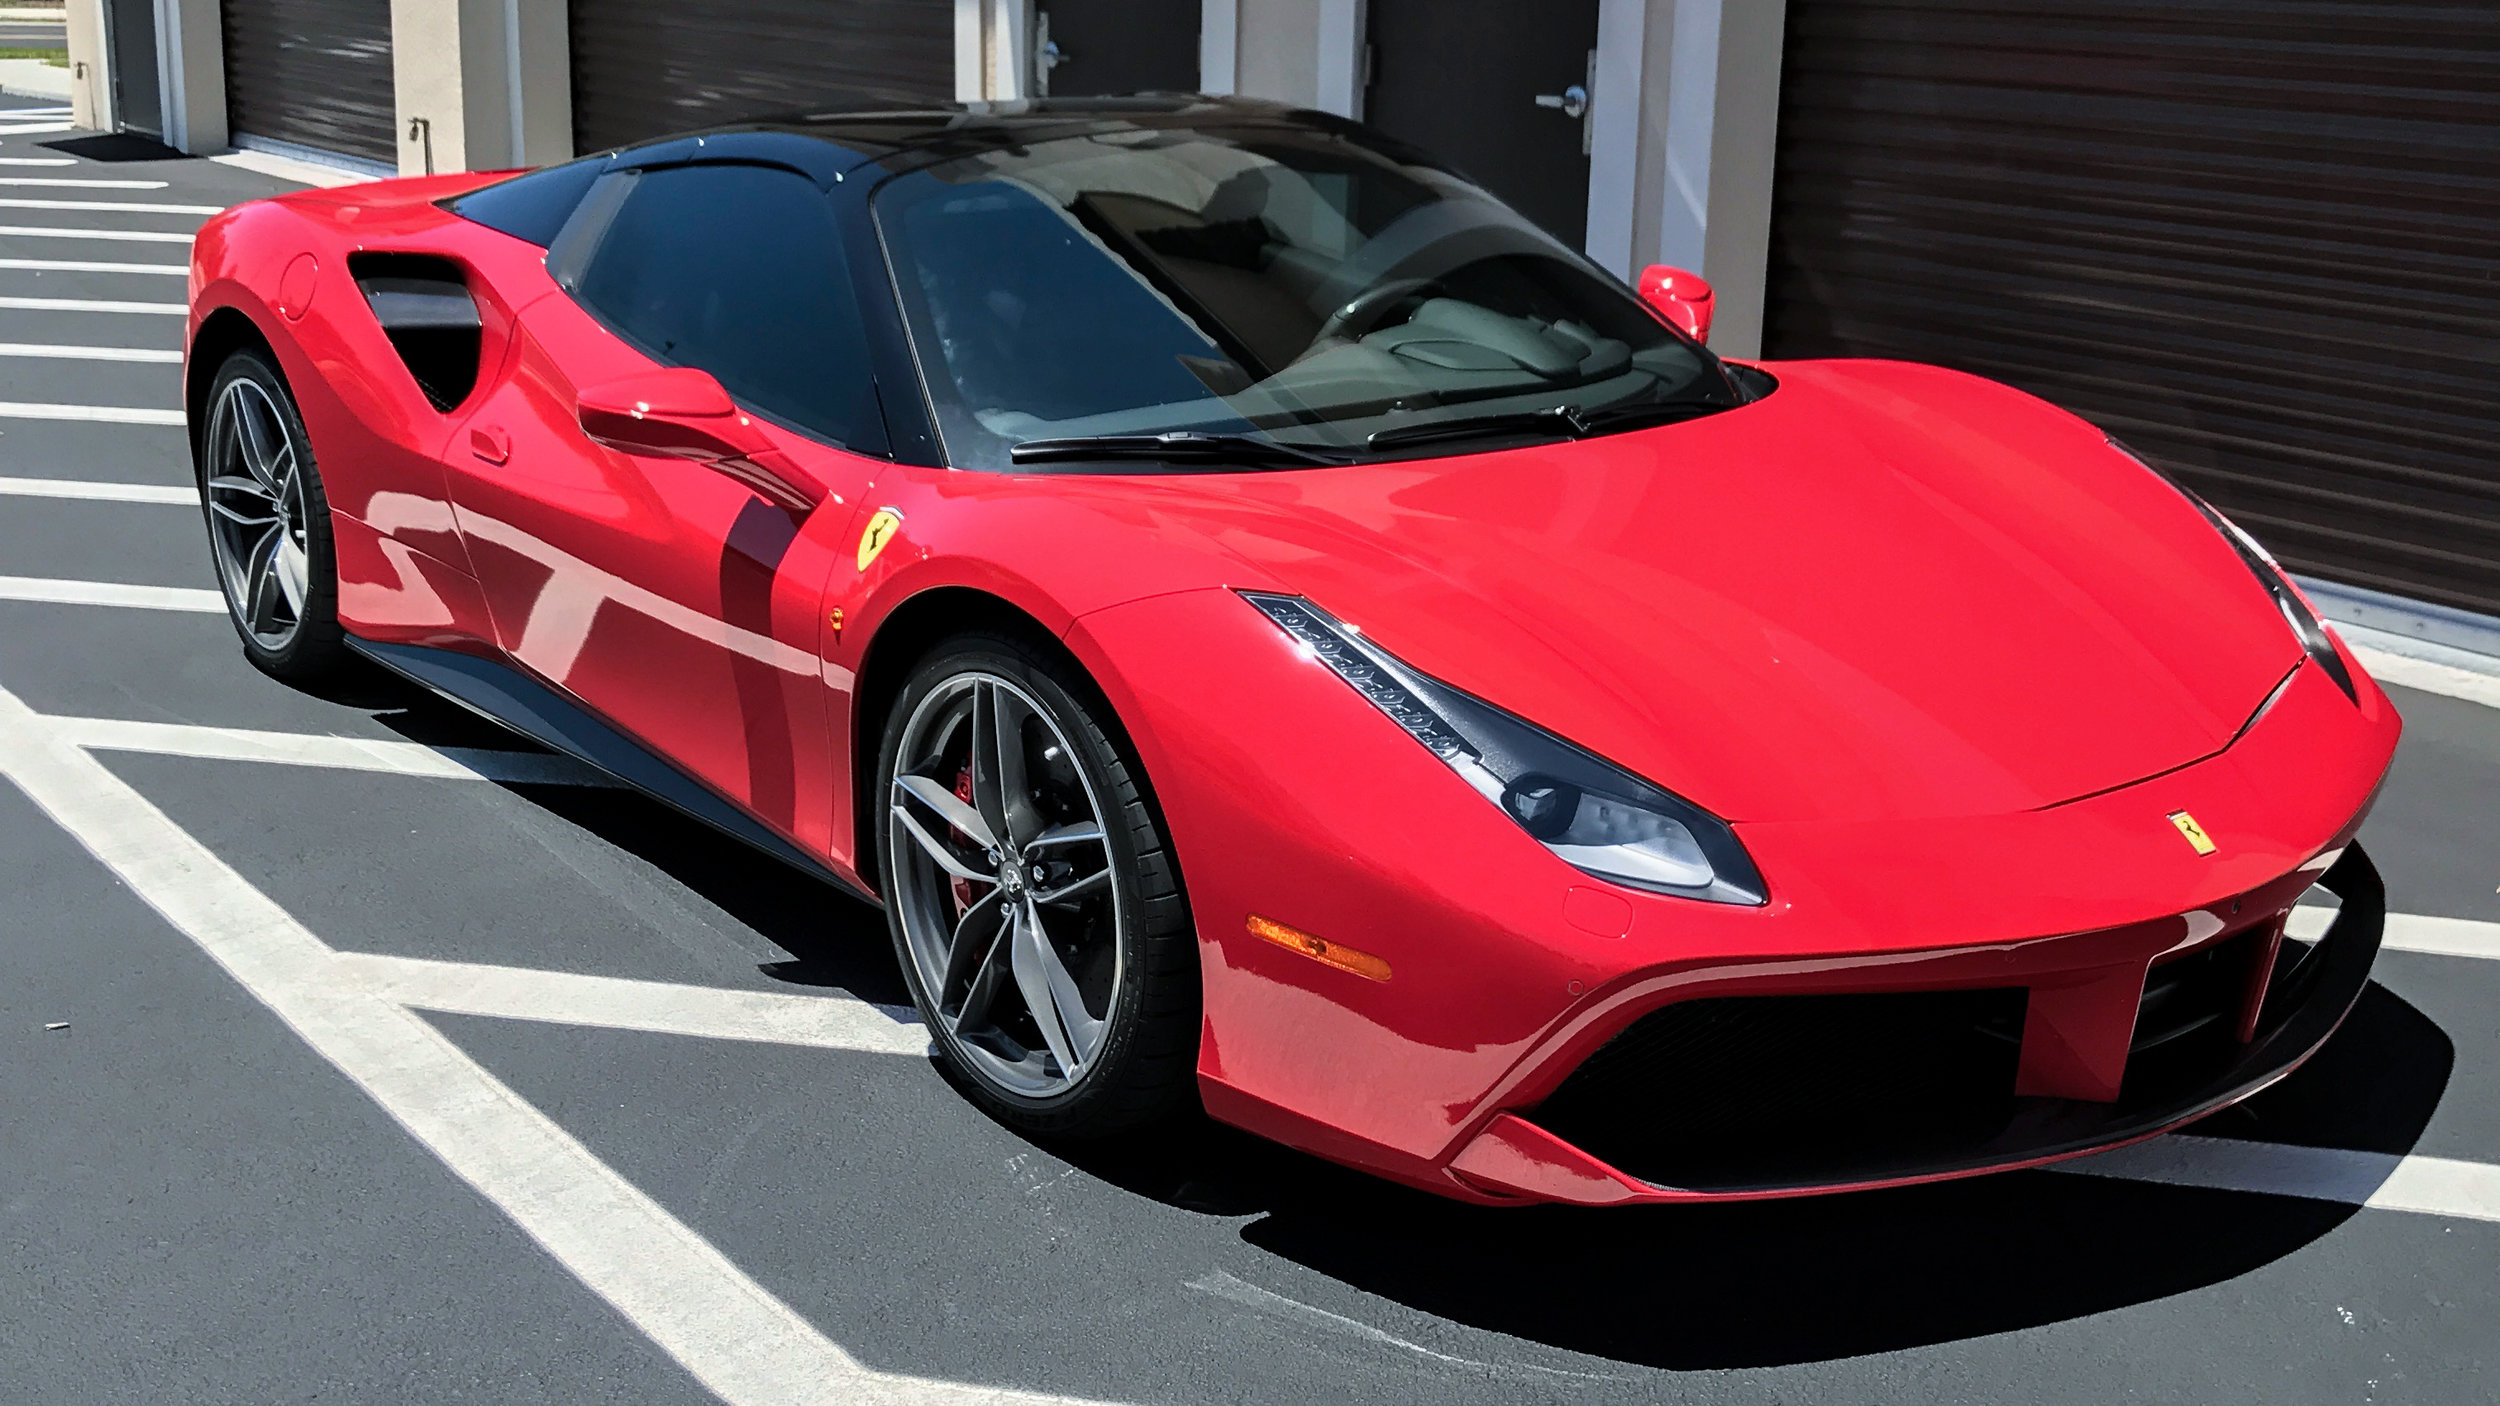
904, 138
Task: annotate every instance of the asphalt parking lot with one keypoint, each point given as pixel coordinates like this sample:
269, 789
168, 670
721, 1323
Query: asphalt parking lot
349, 1051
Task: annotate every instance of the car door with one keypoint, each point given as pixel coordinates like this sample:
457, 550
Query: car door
673, 599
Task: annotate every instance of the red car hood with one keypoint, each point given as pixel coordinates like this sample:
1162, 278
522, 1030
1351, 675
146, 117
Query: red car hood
1882, 591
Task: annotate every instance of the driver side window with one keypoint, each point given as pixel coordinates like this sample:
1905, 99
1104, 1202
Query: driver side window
738, 270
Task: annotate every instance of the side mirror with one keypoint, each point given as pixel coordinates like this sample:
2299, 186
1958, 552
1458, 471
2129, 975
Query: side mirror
680, 412
1682, 298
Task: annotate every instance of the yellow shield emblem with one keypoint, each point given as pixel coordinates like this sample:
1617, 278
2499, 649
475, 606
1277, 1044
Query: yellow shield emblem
880, 530
2195, 834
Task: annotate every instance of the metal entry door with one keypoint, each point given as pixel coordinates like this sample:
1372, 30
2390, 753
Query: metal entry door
1093, 48
1499, 89
130, 30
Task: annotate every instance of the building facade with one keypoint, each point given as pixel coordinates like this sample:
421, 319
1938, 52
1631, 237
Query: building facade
2251, 237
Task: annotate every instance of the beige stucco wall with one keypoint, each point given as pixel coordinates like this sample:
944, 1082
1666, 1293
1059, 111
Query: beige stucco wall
487, 83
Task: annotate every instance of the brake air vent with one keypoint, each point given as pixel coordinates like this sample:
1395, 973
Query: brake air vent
425, 308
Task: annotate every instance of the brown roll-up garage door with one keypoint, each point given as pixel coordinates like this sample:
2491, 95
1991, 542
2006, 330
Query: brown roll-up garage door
313, 72
2254, 238
643, 70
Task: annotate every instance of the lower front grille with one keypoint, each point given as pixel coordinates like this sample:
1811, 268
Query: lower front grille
1770, 1090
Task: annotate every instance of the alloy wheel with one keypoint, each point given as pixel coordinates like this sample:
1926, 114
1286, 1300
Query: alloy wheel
257, 518
1004, 884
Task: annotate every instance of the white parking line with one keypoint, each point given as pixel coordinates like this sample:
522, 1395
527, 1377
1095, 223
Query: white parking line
37, 161
124, 207
728, 1331
395, 758
91, 266
80, 181
77, 353
94, 305
59, 592
143, 236
108, 414
100, 492
2430, 677
2413, 932
2438, 1186
29, 129
827, 1022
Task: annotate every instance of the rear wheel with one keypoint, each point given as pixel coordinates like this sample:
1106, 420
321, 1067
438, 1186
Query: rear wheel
269, 522
1031, 893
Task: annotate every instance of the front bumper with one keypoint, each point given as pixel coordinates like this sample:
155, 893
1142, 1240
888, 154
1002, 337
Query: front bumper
1696, 1138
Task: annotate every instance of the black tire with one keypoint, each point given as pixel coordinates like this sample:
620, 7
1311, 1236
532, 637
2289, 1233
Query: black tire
311, 645
1144, 1069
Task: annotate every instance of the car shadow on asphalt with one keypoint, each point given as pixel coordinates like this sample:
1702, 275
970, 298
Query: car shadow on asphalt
1773, 1283
834, 940
1756, 1284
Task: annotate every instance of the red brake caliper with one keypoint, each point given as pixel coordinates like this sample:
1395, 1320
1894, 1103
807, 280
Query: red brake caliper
962, 888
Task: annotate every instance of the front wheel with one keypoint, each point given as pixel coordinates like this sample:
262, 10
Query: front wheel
269, 522
1032, 895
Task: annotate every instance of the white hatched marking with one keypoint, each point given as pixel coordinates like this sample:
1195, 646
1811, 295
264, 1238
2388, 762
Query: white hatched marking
2412, 932
92, 266
2445, 679
108, 414
99, 492
57, 592
2435, 1186
726, 1330
94, 305
396, 758
70, 353
829, 1022
123, 207
142, 236
80, 181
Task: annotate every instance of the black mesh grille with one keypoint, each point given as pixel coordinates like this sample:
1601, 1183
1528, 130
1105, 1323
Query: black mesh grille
1747, 1092
1773, 1090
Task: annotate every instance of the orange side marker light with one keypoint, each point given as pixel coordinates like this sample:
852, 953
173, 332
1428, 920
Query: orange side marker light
1319, 949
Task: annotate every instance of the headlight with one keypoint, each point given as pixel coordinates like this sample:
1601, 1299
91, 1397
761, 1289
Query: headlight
1592, 814
2306, 626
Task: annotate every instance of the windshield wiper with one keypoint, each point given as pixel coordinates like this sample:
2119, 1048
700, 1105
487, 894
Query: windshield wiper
1557, 422
1172, 445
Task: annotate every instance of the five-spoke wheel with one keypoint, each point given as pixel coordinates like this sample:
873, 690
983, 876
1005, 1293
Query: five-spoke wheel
268, 522
1032, 896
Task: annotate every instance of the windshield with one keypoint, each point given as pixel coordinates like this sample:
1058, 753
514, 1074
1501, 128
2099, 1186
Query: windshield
1257, 281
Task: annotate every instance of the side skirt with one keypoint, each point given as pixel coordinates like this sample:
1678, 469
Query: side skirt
506, 696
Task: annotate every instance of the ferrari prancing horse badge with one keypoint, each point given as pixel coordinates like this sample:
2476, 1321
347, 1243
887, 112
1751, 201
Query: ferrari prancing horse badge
881, 529
2197, 839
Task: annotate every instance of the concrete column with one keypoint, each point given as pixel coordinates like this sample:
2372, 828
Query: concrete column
90, 96
1277, 53
1341, 64
993, 50
191, 74
481, 85
1712, 158
1219, 46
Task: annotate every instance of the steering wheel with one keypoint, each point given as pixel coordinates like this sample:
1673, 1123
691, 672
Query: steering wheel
1357, 317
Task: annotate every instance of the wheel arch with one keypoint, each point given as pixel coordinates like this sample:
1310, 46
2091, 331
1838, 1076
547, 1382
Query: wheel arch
903, 638
222, 333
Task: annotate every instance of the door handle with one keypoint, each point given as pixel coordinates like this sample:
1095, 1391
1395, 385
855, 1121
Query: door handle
1571, 102
490, 444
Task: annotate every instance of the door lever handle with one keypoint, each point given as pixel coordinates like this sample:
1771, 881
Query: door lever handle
490, 444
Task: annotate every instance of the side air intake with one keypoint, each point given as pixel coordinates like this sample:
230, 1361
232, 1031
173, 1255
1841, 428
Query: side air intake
425, 308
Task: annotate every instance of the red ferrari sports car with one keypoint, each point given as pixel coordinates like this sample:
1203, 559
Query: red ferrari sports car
1278, 632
